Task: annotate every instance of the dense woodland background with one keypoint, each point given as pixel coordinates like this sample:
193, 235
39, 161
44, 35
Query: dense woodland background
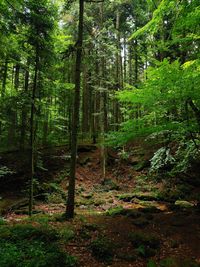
136, 66
139, 57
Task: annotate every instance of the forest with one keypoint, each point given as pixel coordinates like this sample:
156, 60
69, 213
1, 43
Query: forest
99, 133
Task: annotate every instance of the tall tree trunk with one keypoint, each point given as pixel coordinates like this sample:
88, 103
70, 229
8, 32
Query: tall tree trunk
130, 66
119, 75
24, 111
13, 110
125, 59
32, 133
4, 78
136, 63
3, 89
85, 103
103, 103
75, 120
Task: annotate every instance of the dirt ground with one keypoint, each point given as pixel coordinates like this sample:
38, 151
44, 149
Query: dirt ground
178, 230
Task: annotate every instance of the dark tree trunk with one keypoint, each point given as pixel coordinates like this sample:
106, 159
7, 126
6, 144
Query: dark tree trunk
4, 78
75, 120
24, 112
32, 133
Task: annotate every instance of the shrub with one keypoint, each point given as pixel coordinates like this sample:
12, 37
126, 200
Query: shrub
146, 245
162, 159
102, 249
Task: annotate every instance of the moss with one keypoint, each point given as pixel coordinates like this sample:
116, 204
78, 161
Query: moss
115, 211
184, 204
26, 245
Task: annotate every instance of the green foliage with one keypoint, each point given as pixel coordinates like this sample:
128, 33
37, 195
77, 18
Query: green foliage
102, 249
151, 263
2, 221
66, 234
162, 159
115, 211
146, 245
26, 245
5, 171
186, 156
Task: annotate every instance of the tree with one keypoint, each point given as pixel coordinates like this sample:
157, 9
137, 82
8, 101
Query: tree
75, 119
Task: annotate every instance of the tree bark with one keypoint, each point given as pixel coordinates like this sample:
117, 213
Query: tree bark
75, 120
32, 134
4, 78
24, 111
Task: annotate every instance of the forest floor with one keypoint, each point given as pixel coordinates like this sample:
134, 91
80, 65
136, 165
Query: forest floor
120, 221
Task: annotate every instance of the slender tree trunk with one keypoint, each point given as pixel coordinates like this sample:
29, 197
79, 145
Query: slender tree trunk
13, 110
136, 63
130, 66
125, 59
75, 120
5, 73
119, 74
3, 89
32, 134
85, 103
24, 112
103, 103
46, 123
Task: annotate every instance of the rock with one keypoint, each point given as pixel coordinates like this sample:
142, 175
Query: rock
184, 204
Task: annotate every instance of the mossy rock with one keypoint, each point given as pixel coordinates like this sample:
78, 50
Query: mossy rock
139, 196
116, 211
184, 204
